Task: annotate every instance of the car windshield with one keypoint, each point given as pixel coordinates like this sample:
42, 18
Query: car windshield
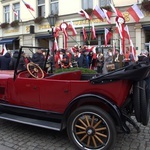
27, 54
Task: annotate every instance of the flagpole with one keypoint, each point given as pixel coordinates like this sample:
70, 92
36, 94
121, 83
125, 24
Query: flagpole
31, 13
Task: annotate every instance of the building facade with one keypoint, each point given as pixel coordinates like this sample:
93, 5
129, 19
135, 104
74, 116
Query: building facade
31, 27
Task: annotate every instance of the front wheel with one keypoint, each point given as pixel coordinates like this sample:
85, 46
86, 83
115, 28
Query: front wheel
91, 128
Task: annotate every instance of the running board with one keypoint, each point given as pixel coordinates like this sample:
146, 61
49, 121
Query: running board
30, 121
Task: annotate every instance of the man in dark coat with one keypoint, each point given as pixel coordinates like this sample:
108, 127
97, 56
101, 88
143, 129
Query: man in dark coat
38, 58
4, 61
13, 60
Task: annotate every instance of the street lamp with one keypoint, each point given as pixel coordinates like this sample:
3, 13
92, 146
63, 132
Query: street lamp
52, 20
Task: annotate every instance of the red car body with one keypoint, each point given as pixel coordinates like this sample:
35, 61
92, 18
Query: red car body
89, 109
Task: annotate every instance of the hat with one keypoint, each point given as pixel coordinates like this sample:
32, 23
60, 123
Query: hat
63, 50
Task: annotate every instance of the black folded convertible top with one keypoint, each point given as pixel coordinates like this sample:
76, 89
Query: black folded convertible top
134, 72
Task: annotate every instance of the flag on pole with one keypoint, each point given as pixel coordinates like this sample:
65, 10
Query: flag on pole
108, 36
72, 28
116, 11
107, 15
133, 50
98, 13
84, 33
84, 14
55, 44
135, 12
126, 32
93, 32
15, 12
4, 50
27, 5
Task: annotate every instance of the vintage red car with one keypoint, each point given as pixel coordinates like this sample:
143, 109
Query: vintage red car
90, 109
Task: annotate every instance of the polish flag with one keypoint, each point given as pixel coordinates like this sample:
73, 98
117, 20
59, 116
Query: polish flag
98, 13
133, 50
116, 11
55, 44
84, 33
56, 31
4, 50
107, 15
126, 32
108, 36
93, 32
119, 30
15, 12
135, 12
72, 28
84, 14
28, 6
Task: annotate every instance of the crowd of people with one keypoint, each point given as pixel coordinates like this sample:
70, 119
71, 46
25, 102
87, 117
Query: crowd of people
84, 57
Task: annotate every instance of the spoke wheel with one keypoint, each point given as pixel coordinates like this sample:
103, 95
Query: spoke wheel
91, 128
35, 71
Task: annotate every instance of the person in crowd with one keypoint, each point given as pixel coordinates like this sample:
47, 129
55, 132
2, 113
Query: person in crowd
83, 60
108, 60
38, 58
117, 59
128, 57
65, 59
4, 61
90, 57
100, 62
13, 61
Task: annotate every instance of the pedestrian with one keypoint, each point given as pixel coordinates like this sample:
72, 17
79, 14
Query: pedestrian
38, 58
117, 59
4, 61
100, 62
107, 61
13, 60
65, 59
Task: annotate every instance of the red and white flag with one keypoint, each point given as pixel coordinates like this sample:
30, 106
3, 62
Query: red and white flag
56, 31
107, 15
135, 12
84, 14
126, 32
15, 12
133, 50
98, 13
28, 6
108, 36
93, 32
84, 33
119, 29
72, 28
4, 50
116, 11
55, 44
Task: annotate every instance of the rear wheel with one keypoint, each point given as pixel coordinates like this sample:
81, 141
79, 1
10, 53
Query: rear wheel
91, 128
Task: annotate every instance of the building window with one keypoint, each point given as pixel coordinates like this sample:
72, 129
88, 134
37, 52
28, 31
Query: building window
87, 4
104, 3
16, 10
41, 8
54, 7
6, 14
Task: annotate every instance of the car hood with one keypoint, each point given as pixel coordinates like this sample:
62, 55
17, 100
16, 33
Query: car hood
4, 74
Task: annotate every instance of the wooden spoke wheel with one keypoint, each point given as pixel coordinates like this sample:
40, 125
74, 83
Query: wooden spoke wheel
91, 128
35, 71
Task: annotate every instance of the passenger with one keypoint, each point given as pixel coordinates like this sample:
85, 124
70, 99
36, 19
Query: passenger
22, 62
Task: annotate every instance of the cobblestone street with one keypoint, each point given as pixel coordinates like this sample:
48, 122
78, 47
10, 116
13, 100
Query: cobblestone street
15, 136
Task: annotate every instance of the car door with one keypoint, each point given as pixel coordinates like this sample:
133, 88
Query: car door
27, 91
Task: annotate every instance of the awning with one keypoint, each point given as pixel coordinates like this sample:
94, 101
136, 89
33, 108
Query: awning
146, 27
48, 36
7, 40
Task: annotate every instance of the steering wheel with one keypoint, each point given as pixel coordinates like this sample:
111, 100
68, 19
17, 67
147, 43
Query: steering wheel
35, 71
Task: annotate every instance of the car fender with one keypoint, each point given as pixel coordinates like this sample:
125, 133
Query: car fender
97, 100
